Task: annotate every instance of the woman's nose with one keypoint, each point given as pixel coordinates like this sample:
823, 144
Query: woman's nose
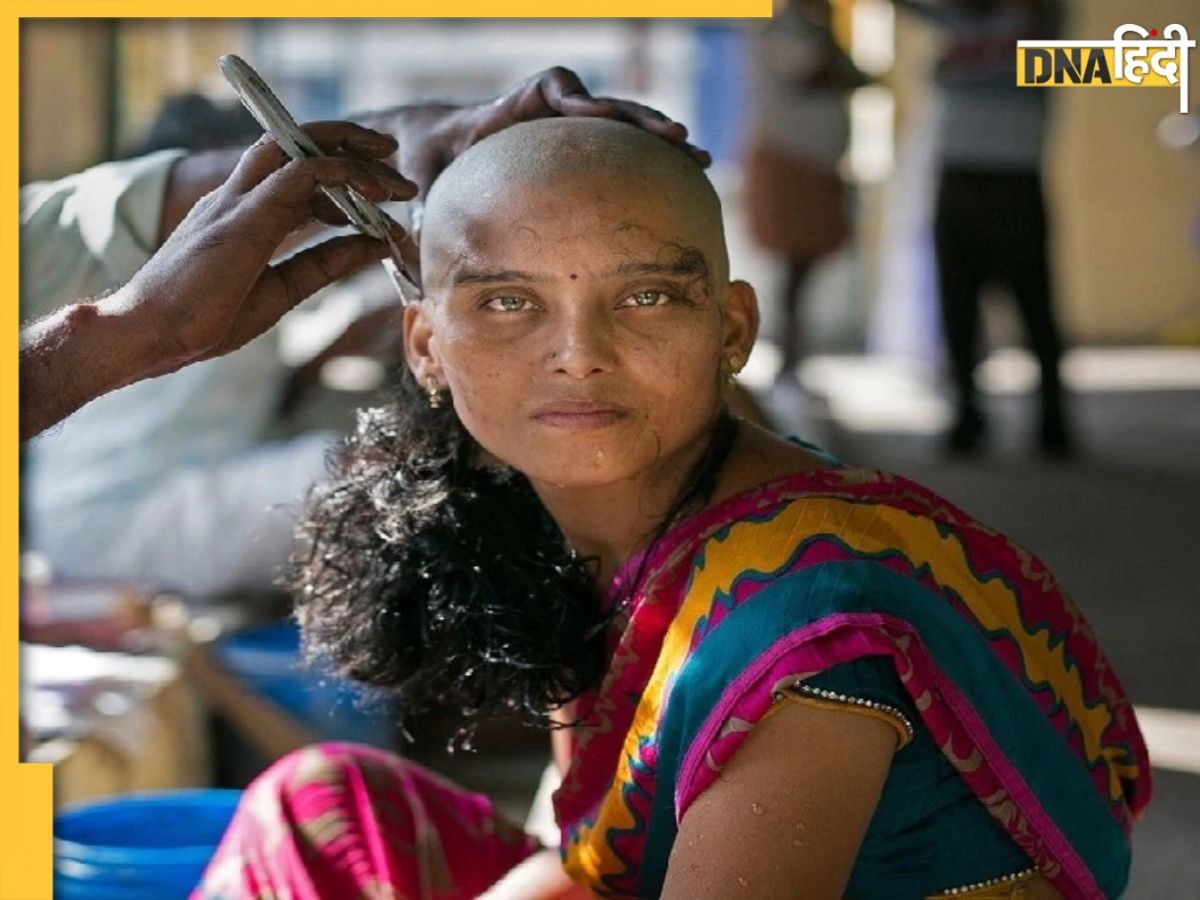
583, 343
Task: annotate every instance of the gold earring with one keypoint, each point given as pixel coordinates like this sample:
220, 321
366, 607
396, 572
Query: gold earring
735, 366
434, 393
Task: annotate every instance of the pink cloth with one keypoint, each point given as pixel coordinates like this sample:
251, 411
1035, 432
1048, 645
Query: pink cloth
348, 821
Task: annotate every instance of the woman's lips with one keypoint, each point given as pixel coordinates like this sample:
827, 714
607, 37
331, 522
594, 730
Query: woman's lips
578, 416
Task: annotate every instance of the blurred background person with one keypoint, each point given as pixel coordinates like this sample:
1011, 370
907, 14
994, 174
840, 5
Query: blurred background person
192, 121
796, 201
990, 223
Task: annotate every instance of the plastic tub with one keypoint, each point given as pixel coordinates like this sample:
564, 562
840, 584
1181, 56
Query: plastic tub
267, 660
150, 846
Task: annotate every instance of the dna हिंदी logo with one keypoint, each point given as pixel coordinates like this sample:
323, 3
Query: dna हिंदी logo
1121, 62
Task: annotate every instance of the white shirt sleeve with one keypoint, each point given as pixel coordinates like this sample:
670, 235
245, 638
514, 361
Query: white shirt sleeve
89, 233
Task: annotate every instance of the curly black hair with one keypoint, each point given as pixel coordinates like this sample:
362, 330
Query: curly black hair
427, 571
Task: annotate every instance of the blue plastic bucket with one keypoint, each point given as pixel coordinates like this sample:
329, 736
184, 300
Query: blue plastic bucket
150, 846
267, 660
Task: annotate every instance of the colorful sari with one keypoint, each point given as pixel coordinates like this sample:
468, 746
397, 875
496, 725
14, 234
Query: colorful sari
839, 580
1019, 752
350, 822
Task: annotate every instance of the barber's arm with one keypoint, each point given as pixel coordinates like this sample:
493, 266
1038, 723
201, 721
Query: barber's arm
210, 287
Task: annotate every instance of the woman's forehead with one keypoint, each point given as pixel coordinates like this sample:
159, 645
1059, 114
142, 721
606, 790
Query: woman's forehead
542, 230
663, 259
669, 259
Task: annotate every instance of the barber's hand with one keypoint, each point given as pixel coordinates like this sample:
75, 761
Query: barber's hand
559, 92
432, 136
211, 288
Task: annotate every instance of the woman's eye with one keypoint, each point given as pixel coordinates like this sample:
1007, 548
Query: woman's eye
646, 298
506, 304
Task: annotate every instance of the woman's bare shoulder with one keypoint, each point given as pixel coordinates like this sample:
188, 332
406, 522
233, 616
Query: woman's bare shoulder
768, 824
760, 456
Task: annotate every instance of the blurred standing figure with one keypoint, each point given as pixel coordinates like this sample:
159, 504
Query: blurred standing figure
795, 200
990, 223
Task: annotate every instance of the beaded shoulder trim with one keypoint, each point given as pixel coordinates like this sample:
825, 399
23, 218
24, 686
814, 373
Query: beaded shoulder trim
1006, 887
803, 691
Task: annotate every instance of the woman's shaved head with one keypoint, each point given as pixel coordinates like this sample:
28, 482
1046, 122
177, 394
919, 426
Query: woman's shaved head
579, 308
489, 188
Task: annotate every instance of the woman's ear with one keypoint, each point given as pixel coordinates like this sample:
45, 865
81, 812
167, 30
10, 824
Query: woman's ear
741, 321
418, 340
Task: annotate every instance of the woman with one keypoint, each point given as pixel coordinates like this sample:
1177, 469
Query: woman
777, 675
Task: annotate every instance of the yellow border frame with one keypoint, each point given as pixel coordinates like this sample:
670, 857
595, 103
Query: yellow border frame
25, 789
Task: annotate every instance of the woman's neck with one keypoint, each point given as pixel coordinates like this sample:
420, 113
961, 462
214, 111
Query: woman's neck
612, 522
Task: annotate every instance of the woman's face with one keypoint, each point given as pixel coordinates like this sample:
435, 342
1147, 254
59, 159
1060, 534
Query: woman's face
582, 328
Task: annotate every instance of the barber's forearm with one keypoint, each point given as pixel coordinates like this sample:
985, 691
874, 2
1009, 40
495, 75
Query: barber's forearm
77, 354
